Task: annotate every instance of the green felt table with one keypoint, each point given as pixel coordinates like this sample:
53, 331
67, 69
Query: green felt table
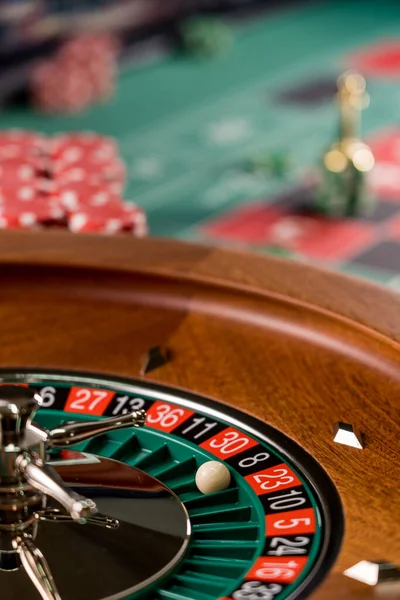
186, 125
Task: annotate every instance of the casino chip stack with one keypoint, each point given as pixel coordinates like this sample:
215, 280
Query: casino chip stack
82, 73
25, 201
72, 180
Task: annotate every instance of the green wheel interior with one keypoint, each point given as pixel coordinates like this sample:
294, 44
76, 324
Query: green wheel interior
230, 527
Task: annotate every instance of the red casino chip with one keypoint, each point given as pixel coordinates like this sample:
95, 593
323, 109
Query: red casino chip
18, 144
12, 151
84, 48
97, 56
16, 194
74, 147
77, 178
109, 219
25, 220
58, 88
103, 78
111, 170
28, 213
45, 186
15, 172
36, 196
74, 179
77, 195
83, 72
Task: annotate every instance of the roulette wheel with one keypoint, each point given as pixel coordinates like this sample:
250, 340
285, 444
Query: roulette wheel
130, 367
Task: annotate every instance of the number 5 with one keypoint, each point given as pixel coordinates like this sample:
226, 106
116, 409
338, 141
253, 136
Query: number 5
293, 523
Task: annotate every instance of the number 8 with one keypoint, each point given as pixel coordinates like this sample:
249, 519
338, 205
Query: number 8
252, 460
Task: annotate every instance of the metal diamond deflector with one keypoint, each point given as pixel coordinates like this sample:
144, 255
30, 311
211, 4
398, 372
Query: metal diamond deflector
374, 572
344, 433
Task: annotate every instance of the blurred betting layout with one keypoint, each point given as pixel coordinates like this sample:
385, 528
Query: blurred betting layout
267, 125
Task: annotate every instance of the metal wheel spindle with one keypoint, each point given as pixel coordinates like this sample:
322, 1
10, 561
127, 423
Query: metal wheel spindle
36, 567
44, 478
56, 515
73, 433
27, 481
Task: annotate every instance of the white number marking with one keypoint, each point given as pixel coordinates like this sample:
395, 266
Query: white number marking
285, 501
48, 396
284, 546
232, 442
85, 396
281, 475
167, 416
255, 590
274, 570
293, 523
246, 463
198, 421
125, 404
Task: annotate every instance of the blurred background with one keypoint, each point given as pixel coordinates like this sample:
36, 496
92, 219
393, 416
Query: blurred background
218, 121
33, 28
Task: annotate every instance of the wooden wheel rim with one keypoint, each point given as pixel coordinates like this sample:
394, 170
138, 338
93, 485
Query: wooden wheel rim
297, 347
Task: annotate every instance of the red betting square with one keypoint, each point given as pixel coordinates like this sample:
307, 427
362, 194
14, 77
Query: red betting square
314, 236
385, 181
245, 224
291, 523
385, 145
88, 401
385, 176
281, 569
227, 443
166, 417
15, 384
272, 480
381, 59
393, 229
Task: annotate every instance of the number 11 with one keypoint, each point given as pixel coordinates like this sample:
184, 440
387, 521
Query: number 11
198, 421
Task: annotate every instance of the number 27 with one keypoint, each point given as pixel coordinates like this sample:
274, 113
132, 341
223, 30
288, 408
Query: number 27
84, 396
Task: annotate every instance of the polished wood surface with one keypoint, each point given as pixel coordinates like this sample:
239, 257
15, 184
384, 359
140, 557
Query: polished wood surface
298, 347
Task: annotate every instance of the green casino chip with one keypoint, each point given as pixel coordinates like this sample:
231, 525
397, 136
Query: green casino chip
204, 36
